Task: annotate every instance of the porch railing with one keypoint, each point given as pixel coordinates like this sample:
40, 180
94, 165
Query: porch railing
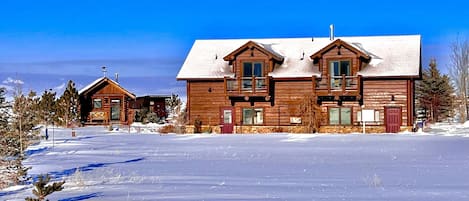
246, 85
337, 83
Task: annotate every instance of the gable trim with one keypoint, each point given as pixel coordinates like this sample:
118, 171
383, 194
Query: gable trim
339, 43
251, 45
101, 81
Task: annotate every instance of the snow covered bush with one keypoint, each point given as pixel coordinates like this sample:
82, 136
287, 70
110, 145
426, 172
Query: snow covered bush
77, 179
373, 181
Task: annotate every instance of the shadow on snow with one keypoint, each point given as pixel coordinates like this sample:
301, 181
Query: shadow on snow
89, 167
30, 152
82, 197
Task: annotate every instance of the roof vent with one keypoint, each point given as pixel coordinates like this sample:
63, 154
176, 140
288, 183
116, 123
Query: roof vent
331, 34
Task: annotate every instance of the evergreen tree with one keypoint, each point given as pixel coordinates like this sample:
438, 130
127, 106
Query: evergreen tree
34, 101
9, 143
67, 105
435, 94
47, 107
23, 117
173, 103
4, 111
42, 190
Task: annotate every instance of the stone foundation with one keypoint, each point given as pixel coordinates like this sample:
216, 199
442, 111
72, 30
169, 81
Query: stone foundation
295, 129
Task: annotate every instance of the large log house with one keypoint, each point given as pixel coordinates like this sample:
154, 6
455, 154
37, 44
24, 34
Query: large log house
260, 85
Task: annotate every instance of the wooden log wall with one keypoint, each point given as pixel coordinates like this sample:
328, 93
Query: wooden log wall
378, 93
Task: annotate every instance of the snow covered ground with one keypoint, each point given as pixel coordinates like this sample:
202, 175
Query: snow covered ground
118, 165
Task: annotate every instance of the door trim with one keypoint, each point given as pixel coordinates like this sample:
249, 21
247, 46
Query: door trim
222, 123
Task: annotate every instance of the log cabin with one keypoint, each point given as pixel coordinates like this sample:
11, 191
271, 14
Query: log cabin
326, 85
105, 102
152, 103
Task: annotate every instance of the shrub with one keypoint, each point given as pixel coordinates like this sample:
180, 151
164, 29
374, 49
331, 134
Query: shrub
151, 117
167, 129
197, 125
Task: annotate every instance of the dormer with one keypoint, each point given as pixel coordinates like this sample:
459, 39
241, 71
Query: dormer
251, 63
253, 59
340, 56
339, 64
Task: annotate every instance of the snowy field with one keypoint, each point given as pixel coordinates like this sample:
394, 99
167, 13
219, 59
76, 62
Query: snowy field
102, 165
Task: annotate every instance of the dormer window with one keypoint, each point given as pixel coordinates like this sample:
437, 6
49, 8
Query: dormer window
251, 63
253, 69
338, 68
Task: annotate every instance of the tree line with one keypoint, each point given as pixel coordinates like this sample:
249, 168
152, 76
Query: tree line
19, 118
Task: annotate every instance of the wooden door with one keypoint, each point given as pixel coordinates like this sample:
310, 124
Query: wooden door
393, 119
226, 119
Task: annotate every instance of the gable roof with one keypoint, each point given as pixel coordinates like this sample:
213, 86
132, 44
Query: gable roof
339, 43
250, 45
102, 80
390, 56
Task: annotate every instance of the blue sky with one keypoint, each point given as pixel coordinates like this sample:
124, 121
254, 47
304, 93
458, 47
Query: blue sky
151, 38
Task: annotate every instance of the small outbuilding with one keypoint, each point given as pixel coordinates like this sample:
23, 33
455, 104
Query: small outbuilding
105, 102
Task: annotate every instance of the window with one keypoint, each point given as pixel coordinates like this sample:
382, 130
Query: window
253, 116
97, 103
337, 69
252, 69
340, 116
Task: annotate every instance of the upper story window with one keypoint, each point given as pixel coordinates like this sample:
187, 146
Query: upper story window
253, 73
337, 69
253, 69
97, 103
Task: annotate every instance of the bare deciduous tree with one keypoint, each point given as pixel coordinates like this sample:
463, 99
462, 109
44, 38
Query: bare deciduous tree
311, 113
459, 71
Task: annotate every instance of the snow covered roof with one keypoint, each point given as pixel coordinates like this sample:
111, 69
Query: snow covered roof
391, 56
101, 80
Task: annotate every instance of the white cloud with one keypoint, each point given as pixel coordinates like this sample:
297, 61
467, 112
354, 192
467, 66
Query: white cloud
10, 80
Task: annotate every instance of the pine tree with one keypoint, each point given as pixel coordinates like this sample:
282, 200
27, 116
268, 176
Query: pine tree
173, 103
67, 105
47, 107
42, 190
4, 111
23, 118
435, 94
34, 99
9, 142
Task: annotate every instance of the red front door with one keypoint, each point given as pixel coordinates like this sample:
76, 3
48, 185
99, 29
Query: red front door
393, 119
226, 119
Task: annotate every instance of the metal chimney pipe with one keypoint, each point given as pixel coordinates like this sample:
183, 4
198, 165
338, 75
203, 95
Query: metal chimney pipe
117, 77
103, 69
331, 36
